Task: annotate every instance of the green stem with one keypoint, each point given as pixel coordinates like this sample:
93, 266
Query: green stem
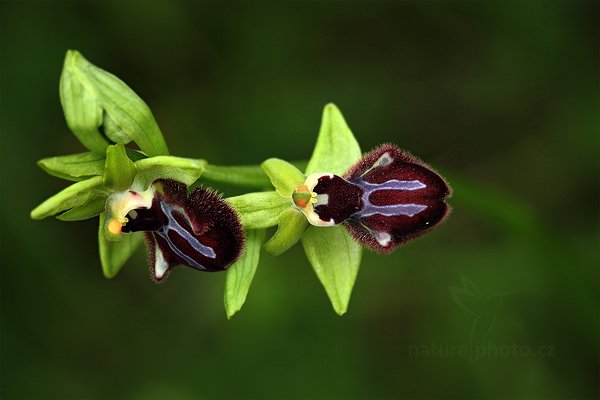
246, 176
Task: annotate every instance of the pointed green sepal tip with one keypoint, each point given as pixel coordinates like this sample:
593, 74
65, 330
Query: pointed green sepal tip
241, 273
336, 148
119, 170
73, 196
335, 258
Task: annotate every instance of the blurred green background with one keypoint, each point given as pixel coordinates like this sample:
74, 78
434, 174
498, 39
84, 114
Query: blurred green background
502, 97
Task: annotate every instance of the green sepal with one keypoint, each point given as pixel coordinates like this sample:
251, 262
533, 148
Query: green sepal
246, 176
240, 273
119, 170
335, 258
87, 92
284, 176
114, 254
80, 103
259, 209
185, 170
74, 167
336, 149
291, 225
92, 208
73, 196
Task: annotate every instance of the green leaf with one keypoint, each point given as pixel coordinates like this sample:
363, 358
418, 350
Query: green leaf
92, 208
284, 176
73, 196
74, 167
119, 170
335, 257
240, 274
246, 176
129, 118
292, 224
259, 209
185, 170
336, 149
81, 106
114, 254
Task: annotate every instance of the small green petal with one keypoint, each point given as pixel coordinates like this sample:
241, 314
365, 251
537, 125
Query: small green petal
336, 149
259, 209
185, 170
90, 209
113, 255
119, 170
74, 167
292, 224
284, 176
73, 196
240, 274
335, 258
246, 176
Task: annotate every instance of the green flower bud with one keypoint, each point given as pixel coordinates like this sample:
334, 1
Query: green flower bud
100, 107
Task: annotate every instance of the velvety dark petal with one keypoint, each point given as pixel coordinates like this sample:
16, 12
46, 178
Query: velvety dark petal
337, 199
385, 233
199, 230
402, 198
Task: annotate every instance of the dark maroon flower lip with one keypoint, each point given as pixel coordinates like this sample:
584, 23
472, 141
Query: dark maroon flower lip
198, 230
387, 198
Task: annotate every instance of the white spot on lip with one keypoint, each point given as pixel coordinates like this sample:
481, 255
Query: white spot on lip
384, 160
160, 264
132, 214
322, 200
383, 238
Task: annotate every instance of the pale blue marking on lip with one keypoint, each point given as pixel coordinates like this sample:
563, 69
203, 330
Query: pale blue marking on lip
177, 228
392, 184
369, 188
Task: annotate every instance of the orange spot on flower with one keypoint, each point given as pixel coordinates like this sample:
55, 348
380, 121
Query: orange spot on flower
114, 227
301, 196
